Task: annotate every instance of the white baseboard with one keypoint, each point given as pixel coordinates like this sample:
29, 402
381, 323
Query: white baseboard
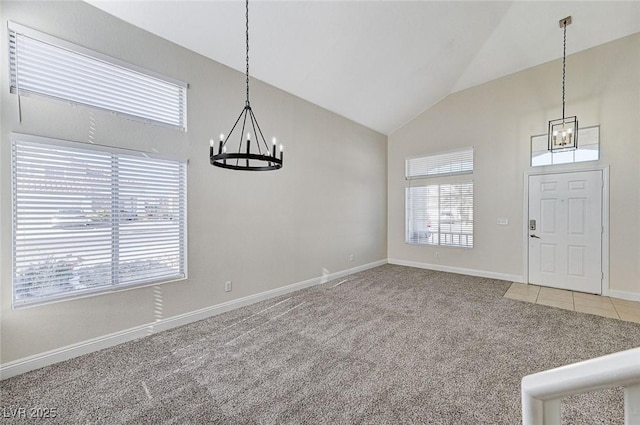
17, 367
460, 270
630, 296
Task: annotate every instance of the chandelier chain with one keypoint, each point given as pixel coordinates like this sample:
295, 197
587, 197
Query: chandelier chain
564, 64
247, 34
563, 132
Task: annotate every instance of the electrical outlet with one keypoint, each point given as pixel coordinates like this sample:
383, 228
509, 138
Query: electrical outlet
503, 221
437, 254
227, 286
351, 258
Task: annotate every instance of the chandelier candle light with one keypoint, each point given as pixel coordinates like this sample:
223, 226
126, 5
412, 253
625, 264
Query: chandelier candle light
262, 158
563, 133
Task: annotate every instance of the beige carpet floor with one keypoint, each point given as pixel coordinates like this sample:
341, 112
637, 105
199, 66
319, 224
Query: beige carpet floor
390, 345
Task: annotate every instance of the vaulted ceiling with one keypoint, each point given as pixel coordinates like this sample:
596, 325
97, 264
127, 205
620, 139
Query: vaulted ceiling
381, 63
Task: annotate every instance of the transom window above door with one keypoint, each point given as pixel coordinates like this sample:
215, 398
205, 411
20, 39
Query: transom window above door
588, 149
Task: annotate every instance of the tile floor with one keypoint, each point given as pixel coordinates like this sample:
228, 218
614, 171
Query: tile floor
576, 301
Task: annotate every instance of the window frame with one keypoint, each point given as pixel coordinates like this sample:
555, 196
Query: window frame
16, 30
461, 164
439, 232
182, 234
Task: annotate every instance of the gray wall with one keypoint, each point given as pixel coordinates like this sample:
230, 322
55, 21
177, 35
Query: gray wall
497, 119
262, 231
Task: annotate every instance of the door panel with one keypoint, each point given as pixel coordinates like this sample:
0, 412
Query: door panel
577, 216
548, 213
565, 250
575, 266
547, 258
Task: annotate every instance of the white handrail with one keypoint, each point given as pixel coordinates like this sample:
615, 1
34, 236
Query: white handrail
542, 392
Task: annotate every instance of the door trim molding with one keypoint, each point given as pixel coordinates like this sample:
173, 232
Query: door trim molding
570, 168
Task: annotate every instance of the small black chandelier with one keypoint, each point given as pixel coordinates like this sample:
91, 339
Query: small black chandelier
563, 132
262, 158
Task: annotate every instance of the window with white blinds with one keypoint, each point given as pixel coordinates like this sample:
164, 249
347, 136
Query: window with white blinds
446, 163
90, 219
439, 213
48, 66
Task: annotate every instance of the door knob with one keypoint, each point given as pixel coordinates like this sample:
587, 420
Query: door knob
534, 236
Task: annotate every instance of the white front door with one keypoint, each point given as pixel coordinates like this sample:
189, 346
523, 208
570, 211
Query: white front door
565, 231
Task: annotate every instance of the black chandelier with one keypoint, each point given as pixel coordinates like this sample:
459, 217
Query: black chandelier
563, 132
262, 158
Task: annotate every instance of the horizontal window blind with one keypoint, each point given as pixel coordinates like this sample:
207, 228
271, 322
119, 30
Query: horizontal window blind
455, 162
440, 214
45, 65
89, 220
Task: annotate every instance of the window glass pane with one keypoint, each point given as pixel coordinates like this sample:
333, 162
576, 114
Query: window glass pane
60, 233
456, 214
150, 231
422, 215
